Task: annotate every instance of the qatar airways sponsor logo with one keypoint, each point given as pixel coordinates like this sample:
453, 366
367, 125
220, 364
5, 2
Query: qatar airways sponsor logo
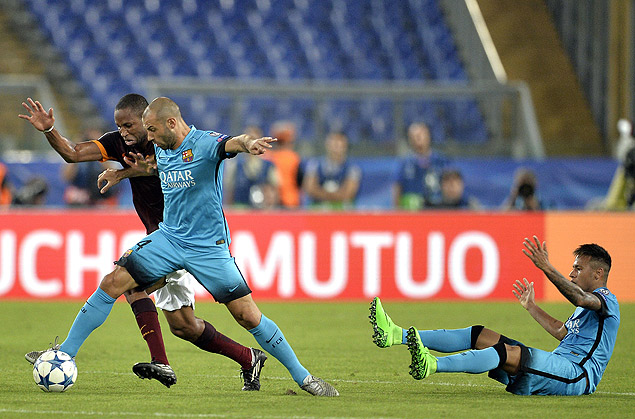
176, 179
49, 263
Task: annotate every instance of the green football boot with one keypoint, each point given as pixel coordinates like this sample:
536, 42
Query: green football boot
424, 364
385, 332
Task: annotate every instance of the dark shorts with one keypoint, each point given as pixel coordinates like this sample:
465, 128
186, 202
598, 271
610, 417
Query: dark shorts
543, 373
156, 256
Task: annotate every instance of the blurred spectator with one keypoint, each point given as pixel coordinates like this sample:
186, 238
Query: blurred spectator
523, 194
417, 184
625, 142
5, 188
621, 195
251, 181
32, 193
332, 182
453, 192
287, 161
82, 189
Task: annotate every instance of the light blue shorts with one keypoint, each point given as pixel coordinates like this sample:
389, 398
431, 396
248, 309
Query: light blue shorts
544, 373
156, 256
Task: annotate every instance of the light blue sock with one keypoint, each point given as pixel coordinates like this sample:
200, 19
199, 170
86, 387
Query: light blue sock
443, 340
473, 362
90, 317
270, 337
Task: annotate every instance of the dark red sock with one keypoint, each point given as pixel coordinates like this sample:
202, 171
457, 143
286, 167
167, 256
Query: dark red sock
148, 321
212, 340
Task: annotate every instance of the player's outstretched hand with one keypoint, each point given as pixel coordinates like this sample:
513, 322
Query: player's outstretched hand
38, 117
110, 177
141, 165
537, 252
260, 145
524, 292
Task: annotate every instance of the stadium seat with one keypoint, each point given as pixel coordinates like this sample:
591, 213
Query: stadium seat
112, 45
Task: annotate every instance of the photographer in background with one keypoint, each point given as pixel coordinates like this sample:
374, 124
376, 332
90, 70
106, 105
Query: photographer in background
523, 194
621, 195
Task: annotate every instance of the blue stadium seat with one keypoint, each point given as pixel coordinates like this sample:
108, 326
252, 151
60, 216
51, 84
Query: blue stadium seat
112, 45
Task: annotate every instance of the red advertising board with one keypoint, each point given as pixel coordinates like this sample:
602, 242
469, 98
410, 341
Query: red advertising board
335, 256
397, 256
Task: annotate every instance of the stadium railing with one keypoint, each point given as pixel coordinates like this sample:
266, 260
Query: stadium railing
511, 122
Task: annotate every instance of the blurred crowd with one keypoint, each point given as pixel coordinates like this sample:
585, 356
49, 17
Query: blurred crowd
426, 179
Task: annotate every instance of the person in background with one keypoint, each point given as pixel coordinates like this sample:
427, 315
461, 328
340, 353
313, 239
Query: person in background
32, 193
287, 161
5, 188
82, 189
332, 182
621, 194
453, 192
523, 193
625, 141
251, 182
417, 185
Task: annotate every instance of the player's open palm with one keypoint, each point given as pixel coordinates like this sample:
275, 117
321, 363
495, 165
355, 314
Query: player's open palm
141, 165
524, 292
537, 252
38, 116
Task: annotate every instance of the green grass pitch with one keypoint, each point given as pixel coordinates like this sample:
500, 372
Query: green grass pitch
333, 340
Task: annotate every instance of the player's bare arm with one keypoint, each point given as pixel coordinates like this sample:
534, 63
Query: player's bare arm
44, 121
246, 143
524, 292
537, 253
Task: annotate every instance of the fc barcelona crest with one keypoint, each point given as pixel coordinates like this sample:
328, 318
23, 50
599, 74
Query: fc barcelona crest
187, 155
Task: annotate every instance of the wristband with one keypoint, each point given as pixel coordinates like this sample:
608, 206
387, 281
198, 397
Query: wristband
49, 130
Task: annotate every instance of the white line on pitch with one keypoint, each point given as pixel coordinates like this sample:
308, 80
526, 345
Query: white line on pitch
429, 382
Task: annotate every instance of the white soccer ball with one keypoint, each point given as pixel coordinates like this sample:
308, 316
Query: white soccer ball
55, 371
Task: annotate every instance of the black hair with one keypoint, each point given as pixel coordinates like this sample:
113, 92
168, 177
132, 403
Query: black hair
595, 252
134, 102
450, 173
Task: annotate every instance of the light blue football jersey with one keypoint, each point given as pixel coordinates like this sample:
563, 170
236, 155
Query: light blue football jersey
192, 183
591, 335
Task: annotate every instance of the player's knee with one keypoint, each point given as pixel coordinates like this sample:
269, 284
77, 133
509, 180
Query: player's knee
247, 318
476, 331
245, 312
117, 282
510, 357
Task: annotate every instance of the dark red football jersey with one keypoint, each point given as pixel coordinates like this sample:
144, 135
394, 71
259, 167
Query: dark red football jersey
147, 196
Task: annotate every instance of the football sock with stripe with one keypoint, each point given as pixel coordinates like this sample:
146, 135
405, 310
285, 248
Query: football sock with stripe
148, 321
443, 340
213, 341
270, 337
474, 362
90, 317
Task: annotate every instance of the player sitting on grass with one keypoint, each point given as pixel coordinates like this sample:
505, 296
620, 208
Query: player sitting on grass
575, 367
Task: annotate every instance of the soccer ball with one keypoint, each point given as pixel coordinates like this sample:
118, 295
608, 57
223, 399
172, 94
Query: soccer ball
55, 371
